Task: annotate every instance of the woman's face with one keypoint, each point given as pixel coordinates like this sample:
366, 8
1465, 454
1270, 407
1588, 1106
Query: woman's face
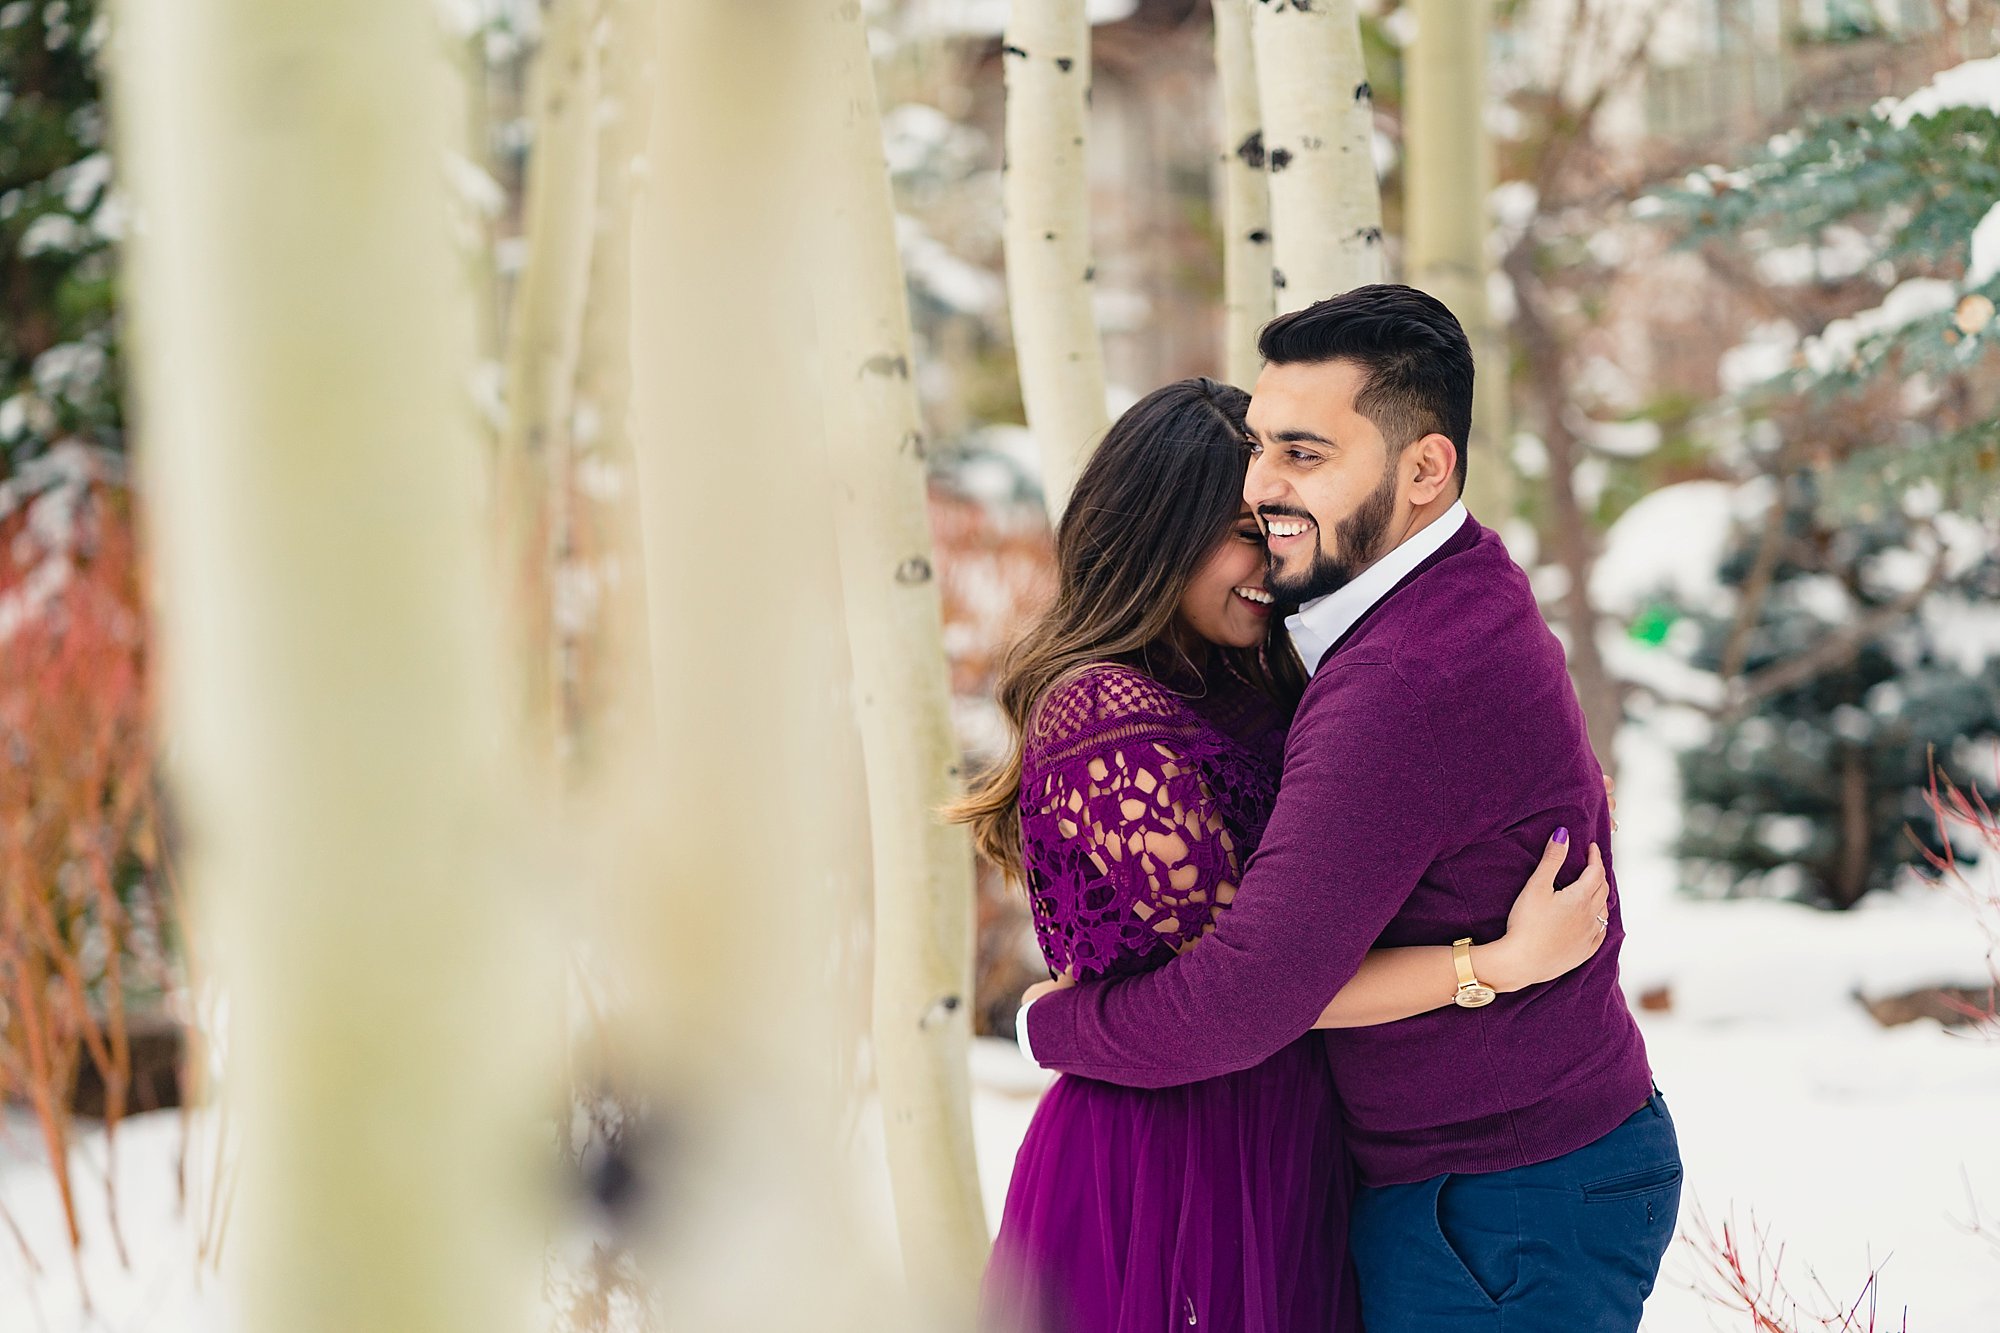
1225, 603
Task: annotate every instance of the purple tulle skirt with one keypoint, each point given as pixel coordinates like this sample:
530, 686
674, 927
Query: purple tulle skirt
1218, 1207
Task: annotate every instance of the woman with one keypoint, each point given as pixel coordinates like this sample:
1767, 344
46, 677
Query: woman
1150, 704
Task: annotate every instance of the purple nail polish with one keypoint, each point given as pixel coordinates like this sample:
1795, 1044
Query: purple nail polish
1562, 837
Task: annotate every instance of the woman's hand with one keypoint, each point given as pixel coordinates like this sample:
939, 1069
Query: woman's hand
1062, 981
1551, 931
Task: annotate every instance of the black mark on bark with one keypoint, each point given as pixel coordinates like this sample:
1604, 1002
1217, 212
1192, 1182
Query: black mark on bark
1280, 159
940, 1011
1251, 150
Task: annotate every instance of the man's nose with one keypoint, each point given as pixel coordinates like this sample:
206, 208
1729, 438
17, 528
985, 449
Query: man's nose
1259, 485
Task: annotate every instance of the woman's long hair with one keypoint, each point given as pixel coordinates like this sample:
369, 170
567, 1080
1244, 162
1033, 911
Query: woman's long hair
1156, 496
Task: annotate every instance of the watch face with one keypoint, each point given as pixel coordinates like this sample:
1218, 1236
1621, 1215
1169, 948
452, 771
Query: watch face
1471, 997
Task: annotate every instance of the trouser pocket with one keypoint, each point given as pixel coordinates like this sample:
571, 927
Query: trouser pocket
1629, 1212
1412, 1278
1479, 1225
1635, 1184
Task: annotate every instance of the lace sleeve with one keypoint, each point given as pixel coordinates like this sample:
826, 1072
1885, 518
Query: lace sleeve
1129, 854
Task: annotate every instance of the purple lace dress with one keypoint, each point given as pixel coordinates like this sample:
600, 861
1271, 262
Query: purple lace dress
1220, 1205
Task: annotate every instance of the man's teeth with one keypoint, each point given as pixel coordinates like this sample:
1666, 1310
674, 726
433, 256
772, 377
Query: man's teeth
1285, 527
1257, 595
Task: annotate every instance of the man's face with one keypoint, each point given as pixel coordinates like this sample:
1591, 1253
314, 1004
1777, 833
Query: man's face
1320, 478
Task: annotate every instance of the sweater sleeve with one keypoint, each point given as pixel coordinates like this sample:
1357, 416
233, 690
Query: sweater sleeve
1360, 816
1128, 851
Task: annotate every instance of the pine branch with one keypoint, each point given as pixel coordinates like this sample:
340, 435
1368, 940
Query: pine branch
1757, 587
1929, 182
1831, 653
1965, 465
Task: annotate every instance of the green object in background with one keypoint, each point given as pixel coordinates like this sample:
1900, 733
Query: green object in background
1651, 625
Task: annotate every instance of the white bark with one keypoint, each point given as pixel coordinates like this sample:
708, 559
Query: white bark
1247, 297
1046, 54
545, 333
923, 867
611, 670
1448, 173
1319, 122
326, 621
739, 858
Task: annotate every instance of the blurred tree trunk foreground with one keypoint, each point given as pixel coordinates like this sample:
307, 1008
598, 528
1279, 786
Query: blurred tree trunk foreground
345, 730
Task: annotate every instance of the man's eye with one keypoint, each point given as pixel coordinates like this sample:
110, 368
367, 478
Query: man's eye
1302, 456
1255, 448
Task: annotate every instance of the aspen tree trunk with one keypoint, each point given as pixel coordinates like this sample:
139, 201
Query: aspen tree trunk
923, 866
1247, 302
1448, 173
612, 673
735, 864
1319, 125
544, 339
1046, 194
328, 630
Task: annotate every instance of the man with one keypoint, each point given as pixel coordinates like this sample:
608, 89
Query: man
1519, 1170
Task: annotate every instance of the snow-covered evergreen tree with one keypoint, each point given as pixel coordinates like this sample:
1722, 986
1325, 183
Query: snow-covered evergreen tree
1904, 200
1813, 786
59, 221
1854, 639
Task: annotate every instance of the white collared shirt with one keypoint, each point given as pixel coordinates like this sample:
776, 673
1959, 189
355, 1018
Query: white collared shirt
1321, 622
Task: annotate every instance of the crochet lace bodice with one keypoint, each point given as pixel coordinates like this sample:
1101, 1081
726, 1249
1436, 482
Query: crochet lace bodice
1140, 807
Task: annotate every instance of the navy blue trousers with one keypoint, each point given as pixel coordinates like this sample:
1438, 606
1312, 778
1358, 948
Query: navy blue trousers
1568, 1246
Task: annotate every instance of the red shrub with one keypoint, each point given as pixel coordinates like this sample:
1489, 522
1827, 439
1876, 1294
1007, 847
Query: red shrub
80, 928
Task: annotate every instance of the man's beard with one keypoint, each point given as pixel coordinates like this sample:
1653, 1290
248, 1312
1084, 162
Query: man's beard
1356, 539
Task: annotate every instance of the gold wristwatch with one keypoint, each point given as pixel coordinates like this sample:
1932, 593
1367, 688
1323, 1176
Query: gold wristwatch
1472, 992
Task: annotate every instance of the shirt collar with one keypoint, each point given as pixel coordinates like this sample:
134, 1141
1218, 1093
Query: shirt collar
1322, 622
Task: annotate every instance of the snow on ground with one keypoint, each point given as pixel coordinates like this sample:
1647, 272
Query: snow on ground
163, 1290
1854, 1145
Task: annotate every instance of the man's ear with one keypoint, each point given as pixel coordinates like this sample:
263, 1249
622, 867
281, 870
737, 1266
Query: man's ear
1433, 461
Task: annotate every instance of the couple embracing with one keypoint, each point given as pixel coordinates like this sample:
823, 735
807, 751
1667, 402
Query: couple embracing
1339, 1051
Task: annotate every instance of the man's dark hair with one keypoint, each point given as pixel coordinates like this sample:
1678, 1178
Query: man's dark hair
1415, 358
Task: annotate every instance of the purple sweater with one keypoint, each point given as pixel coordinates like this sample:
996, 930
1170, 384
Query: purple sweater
1436, 750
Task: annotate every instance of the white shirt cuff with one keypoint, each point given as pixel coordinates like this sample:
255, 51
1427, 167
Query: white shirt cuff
1021, 1034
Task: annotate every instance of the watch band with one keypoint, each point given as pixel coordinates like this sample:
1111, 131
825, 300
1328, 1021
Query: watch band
1461, 958
1472, 992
